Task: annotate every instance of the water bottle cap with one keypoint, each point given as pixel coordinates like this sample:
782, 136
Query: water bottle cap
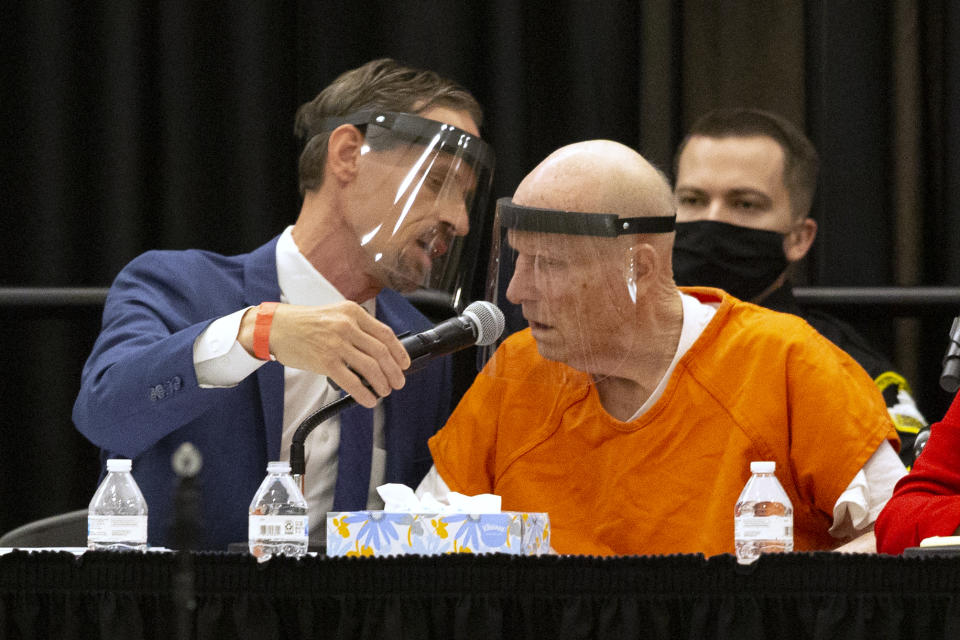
119, 464
278, 467
765, 466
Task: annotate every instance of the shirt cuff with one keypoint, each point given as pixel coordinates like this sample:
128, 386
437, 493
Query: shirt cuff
219, 360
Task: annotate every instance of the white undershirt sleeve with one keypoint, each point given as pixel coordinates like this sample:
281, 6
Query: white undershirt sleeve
433, 484
858, 506
219, 360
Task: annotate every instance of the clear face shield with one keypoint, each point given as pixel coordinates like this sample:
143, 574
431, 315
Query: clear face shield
574, 277
422, 185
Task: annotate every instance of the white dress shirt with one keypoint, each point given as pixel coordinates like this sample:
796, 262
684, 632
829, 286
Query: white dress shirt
221, 361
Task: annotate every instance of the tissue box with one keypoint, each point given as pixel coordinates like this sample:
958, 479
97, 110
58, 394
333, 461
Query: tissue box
381, 533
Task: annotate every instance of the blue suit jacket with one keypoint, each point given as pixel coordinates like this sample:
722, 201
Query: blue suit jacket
139, 396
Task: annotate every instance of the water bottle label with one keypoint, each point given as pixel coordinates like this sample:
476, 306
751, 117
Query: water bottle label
293, 528
762, 528
117, 528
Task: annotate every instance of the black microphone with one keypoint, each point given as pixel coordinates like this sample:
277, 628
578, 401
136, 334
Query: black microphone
949, 380
950, 377
481, 323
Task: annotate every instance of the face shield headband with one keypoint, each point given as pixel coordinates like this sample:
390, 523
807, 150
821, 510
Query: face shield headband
424, 186
601, 225
423, 131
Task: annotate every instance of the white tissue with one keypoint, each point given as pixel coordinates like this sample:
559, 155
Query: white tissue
399, 498
482, 503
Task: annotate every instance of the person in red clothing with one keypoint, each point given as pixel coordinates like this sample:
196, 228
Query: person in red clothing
926, 502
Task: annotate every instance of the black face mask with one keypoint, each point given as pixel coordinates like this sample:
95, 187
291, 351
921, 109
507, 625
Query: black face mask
741, 261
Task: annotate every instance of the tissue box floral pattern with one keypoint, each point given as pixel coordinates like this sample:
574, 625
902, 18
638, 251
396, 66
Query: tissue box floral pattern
378, 533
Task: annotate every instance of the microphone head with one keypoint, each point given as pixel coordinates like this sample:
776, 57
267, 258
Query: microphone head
950, 378
487, 319
187, 461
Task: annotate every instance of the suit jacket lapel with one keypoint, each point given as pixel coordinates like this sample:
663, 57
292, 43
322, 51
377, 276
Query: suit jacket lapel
406, 409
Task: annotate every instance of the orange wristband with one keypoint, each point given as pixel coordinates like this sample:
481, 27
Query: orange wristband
261, 330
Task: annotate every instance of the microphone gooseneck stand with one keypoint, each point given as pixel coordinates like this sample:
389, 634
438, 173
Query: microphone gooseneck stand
311, 422
186, 463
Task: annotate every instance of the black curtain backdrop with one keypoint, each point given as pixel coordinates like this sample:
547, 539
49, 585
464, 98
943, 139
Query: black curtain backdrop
139, 125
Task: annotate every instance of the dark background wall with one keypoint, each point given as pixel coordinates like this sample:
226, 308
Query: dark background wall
128, 126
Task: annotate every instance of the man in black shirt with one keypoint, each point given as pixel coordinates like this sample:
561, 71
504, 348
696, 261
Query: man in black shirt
745, 180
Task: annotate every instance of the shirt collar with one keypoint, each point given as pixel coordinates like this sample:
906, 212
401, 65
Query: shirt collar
696, 317
300, 282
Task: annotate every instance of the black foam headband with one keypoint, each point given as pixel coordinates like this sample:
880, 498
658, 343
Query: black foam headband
605, 225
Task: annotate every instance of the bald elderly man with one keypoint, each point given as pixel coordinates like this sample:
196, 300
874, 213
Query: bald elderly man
630, 409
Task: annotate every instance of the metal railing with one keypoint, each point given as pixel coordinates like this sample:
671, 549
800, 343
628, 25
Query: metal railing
907, 301
899, 301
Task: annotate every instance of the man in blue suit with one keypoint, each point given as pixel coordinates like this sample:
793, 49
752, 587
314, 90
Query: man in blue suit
232, 353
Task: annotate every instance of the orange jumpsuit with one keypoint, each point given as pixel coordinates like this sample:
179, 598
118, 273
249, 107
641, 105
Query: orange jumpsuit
756, 385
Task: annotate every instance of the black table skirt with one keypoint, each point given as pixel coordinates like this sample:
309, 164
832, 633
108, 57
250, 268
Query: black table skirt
821, 595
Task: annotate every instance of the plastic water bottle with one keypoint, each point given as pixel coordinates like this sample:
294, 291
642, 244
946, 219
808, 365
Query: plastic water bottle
763, 517
117, 515
278, 516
